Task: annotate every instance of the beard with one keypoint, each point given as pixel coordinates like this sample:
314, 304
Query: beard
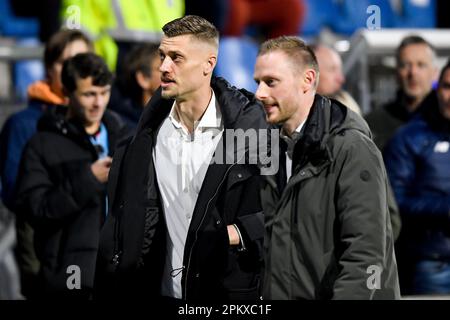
168, 95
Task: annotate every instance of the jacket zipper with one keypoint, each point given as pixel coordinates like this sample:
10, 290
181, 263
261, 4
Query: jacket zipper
117, 252
198, 228
115, 260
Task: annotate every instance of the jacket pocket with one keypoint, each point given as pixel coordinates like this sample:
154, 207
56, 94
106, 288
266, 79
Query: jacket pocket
242, 278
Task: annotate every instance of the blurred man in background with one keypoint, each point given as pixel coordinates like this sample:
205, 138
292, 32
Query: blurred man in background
418, 164
416, 71
137, 83
43, 95
62, 179
332, 79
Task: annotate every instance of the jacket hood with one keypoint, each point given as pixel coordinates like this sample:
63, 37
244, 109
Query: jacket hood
41, 91
352, 120
326, 118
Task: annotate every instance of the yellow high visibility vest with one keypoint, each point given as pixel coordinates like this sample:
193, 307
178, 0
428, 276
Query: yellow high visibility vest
142, 20
107, 21
91, 17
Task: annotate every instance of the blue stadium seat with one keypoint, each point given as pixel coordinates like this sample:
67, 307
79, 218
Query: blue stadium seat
27, 71
318, 14
236, 61
12, 26
352, 15
416, 14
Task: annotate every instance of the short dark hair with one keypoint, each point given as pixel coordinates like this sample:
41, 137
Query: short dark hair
193, 25
444, 69
410, 40
82, 66
295, 48
58, 42
138, 59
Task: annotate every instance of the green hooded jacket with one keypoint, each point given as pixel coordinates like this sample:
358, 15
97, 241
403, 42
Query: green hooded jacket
328, 230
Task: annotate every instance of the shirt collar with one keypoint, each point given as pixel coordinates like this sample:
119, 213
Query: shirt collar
212, 117
295, 135
292, 140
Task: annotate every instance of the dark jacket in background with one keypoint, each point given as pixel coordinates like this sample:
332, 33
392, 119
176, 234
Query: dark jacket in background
129, 110
384, 121
132, 247
330, 223
59, 195
420, 176
16, 132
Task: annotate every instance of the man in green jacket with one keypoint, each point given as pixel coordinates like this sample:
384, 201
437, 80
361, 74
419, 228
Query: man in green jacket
328, 231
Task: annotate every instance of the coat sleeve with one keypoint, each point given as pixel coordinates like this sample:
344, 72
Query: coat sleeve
250, 219
362, 219
46, 200
394, 212
401, 167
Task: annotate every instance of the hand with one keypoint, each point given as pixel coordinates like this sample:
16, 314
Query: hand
233, 235
100, 169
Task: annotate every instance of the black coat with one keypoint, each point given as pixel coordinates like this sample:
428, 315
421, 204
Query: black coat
132, 246
58, 193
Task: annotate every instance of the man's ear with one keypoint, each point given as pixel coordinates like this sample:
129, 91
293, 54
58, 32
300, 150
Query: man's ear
309, 79
142, 80
210, 64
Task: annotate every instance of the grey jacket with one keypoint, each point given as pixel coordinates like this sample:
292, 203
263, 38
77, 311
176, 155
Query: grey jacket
329, 234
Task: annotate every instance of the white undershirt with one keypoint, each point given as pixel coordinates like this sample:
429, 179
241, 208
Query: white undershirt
181, 161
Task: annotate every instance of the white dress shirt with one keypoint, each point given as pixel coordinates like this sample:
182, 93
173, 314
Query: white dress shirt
181, 160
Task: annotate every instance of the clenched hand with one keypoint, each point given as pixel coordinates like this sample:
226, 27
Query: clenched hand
100, 169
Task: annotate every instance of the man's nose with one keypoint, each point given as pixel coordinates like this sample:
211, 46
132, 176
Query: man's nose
412, 70
261, 92
99, 100
165, 65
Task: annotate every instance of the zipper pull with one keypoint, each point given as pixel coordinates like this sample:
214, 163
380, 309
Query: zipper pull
116, 258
